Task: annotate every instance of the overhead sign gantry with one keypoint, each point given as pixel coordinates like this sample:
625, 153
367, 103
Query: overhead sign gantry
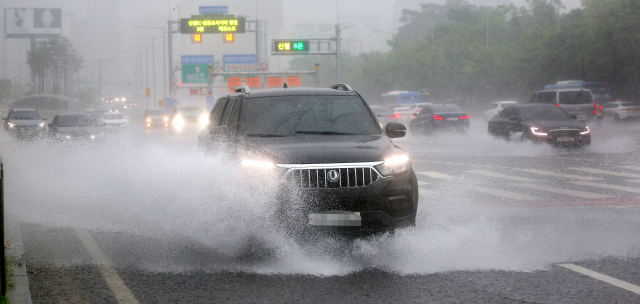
212, 24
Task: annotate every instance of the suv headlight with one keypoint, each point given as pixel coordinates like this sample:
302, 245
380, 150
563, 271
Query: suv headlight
585, 131
258, 164
11, 125
178, 122
204, 120
538, 132
41, 125
394, 165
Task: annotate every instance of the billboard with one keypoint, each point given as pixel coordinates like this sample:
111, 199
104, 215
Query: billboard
32, 21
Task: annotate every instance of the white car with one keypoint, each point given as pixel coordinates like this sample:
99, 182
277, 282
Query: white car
620, 110
496, 107
114, 120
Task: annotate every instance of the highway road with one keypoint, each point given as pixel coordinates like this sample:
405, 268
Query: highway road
144, 218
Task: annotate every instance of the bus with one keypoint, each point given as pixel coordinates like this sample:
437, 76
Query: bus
600, 90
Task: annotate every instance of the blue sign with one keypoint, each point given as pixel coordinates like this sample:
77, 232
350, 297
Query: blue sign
410, 97
197, 59
239, 58
214, 10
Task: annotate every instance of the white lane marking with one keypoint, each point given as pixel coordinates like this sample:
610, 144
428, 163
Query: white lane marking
637, 168
437, 175
607, 186
503, 176
634, 180
569, 192
603, 277
555, 174
120, 290
424, 191
503, 193
423, 183
605, 172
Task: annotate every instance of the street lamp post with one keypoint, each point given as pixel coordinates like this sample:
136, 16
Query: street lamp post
164, 55
153, 65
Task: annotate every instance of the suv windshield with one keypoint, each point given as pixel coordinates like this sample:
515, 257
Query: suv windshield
543, 113
290, 115
76, 121
575, 97
24, 115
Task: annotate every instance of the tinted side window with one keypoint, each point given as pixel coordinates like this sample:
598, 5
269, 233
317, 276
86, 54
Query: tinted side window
610, 105
216, 112
575, 97
425, 111
546, 97
533, 98
226, 112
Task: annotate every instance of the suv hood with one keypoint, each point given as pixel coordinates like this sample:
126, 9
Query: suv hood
26, 122
319, 149
549, 125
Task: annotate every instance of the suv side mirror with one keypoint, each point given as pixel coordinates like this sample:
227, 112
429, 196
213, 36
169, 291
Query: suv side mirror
574, 116
395, 130
5, 118
221, 131
44, 118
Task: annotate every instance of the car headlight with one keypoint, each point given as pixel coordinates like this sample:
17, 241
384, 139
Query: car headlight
11, 125
92, 136
258, 164
148, 119
394, 165
585, 131
166, 118
538, 132
204, 120
41, 125
178, 122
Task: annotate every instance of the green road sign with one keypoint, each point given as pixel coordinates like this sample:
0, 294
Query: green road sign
195, 73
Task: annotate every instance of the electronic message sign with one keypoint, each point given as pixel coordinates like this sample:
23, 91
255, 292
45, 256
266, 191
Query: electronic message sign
32, 21
212, 24
291, 46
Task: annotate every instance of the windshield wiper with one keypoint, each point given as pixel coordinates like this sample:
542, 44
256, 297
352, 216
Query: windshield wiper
265, 135
325, 133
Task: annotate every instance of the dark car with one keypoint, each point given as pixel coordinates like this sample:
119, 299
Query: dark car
156, 118
186, 117
76, 126
25, 123
440, 117
540, 123
338, 170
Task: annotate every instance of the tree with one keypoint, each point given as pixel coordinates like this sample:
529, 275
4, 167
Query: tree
58, 58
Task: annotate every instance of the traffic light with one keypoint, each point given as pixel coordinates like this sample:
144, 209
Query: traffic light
196, 38
227, 37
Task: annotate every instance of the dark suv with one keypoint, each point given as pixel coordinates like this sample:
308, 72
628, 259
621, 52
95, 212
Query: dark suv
336, 168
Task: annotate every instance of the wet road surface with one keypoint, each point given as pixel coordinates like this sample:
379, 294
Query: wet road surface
499, 222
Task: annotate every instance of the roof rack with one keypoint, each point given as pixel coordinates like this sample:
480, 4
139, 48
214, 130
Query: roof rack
243, 89
341, 86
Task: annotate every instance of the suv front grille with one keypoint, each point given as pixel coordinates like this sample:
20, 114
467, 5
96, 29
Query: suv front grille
562, 133
332, 178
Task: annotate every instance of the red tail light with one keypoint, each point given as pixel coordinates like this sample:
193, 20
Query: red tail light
625, 109
397, 115
464, 117
595, 112
600, 107
557, 104
436, 117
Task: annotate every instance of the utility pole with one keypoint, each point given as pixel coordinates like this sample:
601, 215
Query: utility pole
338, 39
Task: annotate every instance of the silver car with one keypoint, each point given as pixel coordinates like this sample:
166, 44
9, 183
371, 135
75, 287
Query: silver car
25, 123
